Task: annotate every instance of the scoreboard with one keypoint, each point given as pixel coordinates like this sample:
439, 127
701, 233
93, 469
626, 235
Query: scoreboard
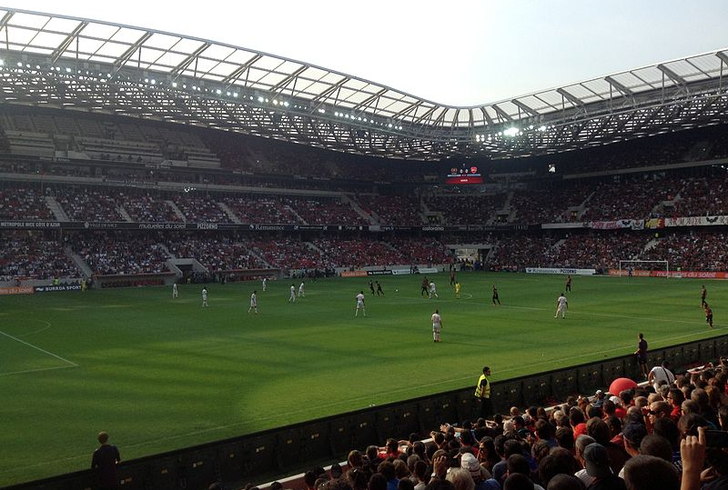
463, 175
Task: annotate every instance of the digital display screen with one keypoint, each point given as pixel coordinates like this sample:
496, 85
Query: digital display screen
464, 174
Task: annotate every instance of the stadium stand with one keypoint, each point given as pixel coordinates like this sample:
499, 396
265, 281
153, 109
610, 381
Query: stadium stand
123, 180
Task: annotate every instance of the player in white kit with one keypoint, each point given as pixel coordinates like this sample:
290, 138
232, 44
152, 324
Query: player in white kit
292, 297
253, 302
301, 291
436, 326
562, 304
360, 304
433, 290
204, 296
175, 292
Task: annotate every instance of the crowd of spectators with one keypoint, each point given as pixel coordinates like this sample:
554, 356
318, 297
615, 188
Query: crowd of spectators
519, 251
359, 253
392, 210
261, 209
464, 209
131, 253
549, 204
598, 250
652, 436
121, 253
420, 250
23, 203
199, 209
691, 251
87, 204
637, 197
325, 211
216, 253
289, 254
144, 207
33, 255
702, 196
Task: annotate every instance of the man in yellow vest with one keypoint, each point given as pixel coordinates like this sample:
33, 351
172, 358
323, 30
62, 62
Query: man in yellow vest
482, 394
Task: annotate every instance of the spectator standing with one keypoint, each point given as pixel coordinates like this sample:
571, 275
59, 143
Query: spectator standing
104, 462
482, 394
661, 374
641, 354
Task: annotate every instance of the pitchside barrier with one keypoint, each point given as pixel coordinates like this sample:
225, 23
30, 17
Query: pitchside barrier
271, 454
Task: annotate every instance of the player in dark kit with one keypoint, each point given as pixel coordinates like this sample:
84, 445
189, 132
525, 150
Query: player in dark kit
703, 295
371, 286
708, 315
496, 299
379, 289
425, 291
568, 283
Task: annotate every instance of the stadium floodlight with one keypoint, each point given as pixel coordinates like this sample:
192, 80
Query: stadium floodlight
511, 132
174, 84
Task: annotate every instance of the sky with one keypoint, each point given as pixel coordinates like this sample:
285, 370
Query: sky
457, 52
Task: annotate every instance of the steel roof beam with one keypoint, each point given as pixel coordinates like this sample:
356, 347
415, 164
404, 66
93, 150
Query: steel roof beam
371, 98
671, 75
722, 56
621, 88
177, 70
501, 113
333, 88
570, 97
486, 116
232, 77
126, 56
56, 54
282, 84
528, 110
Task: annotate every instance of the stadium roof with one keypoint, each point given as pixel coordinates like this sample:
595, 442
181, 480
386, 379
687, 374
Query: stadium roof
74, 63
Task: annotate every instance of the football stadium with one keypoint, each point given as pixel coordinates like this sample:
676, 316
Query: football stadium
227, 269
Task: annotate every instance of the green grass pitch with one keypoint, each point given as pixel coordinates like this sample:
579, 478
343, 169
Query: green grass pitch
160, 374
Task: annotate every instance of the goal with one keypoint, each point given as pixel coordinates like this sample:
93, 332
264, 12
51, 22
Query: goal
651, 265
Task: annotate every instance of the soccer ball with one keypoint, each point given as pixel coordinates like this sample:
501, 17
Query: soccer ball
396, 290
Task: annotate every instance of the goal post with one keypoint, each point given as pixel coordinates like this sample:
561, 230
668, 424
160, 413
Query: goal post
652, 265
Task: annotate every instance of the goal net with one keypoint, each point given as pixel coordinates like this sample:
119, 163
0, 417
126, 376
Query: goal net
628, 266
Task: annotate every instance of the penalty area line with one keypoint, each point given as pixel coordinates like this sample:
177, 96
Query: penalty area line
39, 349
